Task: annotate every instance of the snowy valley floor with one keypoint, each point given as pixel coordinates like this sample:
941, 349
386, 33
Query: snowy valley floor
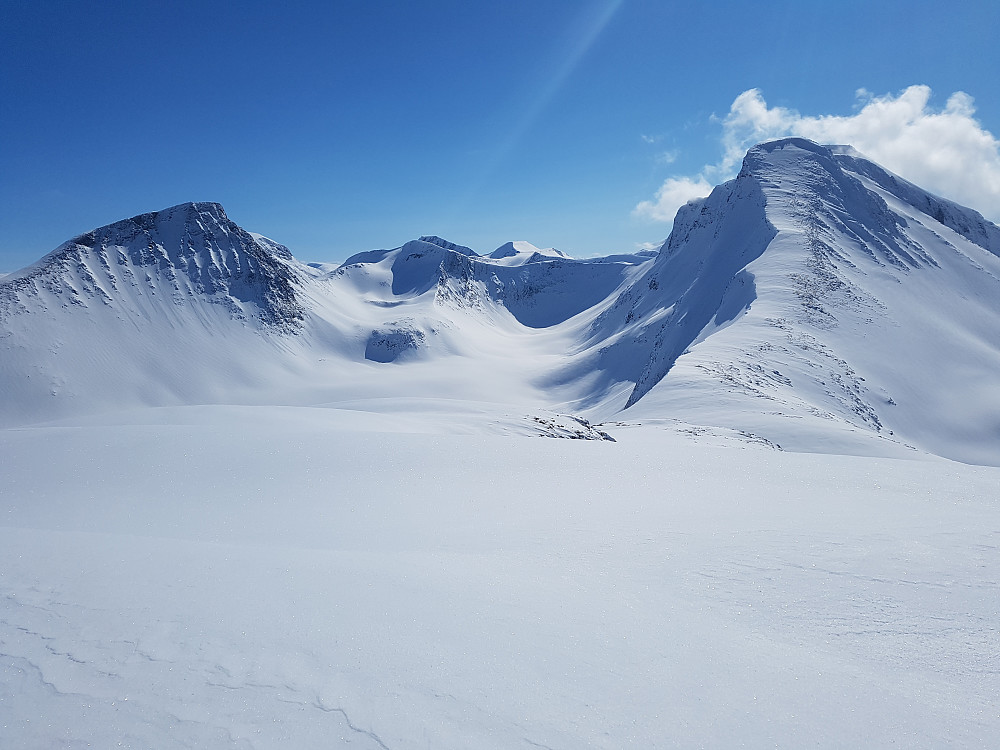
316, 578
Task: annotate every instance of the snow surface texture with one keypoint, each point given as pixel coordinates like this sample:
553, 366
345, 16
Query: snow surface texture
264, 577
247, 502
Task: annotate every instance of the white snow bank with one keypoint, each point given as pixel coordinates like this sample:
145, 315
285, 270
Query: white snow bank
276, 578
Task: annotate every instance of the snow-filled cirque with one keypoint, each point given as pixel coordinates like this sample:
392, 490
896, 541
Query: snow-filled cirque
251, 502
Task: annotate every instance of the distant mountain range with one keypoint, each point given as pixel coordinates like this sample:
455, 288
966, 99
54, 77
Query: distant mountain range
817, 301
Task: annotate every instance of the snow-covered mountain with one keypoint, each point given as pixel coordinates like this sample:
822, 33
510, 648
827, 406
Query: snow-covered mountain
176, 306
818, 288
816, 301
188, 253
249, 502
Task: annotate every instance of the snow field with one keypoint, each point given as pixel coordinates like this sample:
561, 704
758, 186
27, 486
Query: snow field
264, 577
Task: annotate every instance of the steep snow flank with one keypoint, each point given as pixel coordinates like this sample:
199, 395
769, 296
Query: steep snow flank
448, 245
696, 283
870, 316
540, 292
700, 278
965, 221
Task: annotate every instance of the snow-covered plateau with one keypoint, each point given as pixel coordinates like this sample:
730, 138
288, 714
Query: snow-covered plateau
743, 491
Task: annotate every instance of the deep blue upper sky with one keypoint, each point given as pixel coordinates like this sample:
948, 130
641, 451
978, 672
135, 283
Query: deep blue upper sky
336, 127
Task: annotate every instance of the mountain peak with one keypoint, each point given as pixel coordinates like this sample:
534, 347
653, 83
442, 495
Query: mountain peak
442, 243
185, 252
793, 169
794, 142
525, 251
183, 214
784, 156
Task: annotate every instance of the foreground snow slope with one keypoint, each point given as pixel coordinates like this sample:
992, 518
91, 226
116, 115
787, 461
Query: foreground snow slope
261, 577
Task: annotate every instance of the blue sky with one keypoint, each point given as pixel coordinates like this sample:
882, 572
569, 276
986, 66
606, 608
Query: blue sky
336, 127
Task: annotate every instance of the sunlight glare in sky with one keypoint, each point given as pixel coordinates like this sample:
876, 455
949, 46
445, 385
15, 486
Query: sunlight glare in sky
342, 127
580, 37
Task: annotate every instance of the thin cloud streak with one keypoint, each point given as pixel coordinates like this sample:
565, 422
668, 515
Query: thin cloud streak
581, 36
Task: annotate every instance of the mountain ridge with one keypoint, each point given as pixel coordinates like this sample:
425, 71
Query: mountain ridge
781, 303
868, 313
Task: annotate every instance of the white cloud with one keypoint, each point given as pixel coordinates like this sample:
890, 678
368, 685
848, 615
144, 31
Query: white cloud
946, 151
641, 246
673, 194
668, 157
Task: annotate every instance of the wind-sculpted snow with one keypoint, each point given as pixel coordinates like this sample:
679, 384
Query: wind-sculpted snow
965, 221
